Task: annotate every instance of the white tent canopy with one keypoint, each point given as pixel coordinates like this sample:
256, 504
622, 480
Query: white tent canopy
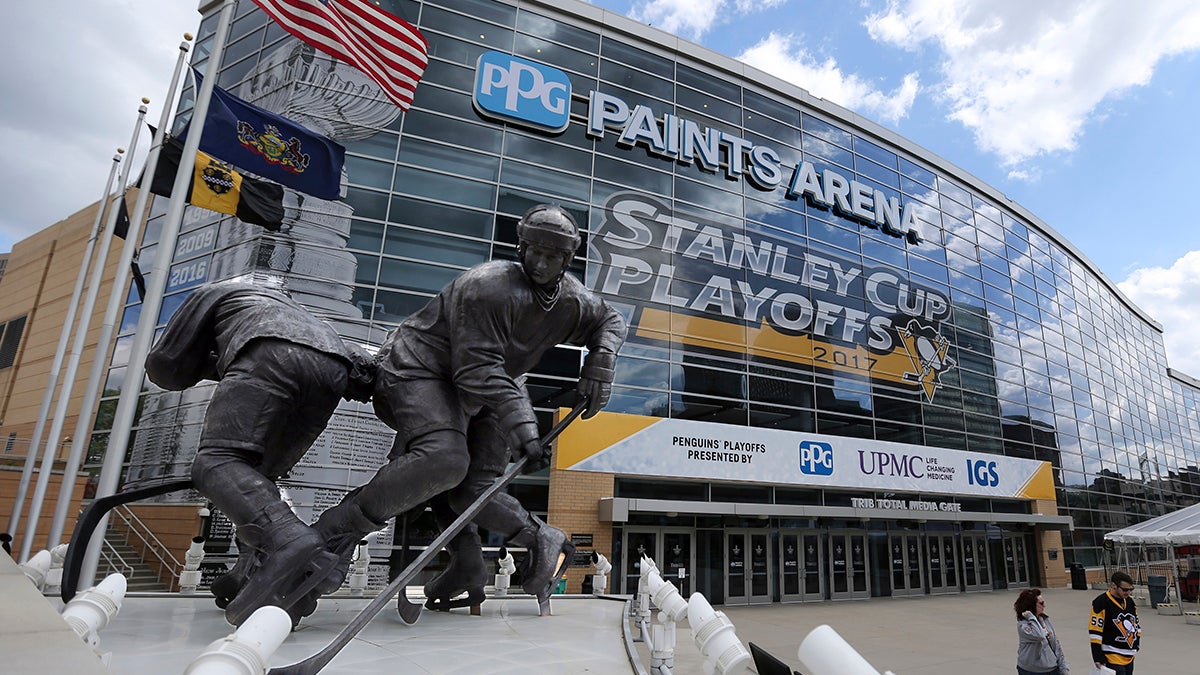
1178, 528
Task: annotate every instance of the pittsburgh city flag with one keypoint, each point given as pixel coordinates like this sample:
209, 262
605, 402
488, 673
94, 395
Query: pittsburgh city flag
391, 51
217, 187
270, 146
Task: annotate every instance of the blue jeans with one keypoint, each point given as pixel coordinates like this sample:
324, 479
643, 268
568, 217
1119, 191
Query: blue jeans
1122, 670
1022, 671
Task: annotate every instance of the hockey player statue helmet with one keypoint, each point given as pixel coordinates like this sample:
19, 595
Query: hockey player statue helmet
550, 226
543, 229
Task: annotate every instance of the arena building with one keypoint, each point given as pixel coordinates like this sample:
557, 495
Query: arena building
853, 369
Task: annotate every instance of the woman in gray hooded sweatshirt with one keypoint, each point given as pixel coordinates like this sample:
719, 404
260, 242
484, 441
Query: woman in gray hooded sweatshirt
1038, 650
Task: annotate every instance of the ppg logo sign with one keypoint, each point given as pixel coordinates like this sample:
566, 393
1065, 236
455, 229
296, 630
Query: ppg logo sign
816, 459
522, 91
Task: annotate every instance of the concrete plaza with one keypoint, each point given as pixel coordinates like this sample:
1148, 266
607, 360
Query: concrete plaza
971, 634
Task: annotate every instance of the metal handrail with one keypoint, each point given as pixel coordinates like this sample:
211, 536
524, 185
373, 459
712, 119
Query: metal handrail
108, 553
151, 543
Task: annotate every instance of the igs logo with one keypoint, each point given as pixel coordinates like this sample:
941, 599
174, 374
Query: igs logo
522, 91
816, 458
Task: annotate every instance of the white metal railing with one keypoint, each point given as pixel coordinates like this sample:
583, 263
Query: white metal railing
114, 561
150, 543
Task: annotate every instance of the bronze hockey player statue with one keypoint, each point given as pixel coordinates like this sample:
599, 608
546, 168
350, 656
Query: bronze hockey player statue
451, 385
281, 373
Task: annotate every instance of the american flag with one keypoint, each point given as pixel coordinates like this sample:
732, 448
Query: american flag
391, 51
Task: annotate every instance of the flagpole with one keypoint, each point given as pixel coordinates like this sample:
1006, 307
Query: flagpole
156, 283
83, 426
14, 520
81, 329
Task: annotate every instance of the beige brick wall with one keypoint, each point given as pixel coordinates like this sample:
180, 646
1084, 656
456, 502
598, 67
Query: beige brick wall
38, 283
574, 502
10, 478
1054, 572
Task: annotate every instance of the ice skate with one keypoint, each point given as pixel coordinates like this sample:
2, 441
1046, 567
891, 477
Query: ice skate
466, 573
225, 587
293, 561
550, 554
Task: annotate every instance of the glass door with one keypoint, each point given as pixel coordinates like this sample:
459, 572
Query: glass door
1016, 564
637, 544
801, 574
760, 566
675, 562
943, 563
905, 552
976, 570
848, 565
672, 550
748, 567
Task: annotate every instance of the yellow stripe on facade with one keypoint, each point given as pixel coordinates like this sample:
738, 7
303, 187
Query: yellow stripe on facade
896, 366
585, 438
1040, 485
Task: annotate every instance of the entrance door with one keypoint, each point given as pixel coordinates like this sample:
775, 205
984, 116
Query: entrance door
801, 577
943, 563
748, 567
675, 561
670, 548
637, 544
848, 565
1016, 564
976, 571
905, 554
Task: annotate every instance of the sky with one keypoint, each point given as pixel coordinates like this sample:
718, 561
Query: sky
1081, 111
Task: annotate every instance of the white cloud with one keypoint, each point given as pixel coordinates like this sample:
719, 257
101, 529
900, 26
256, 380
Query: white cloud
782, 56
1026, 76
688, 18
1172, 297
1025, 174
747, 6
72, 81
692, 18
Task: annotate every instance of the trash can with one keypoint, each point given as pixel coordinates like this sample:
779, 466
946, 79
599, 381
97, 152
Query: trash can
1078, 577
1157, 583
562, 586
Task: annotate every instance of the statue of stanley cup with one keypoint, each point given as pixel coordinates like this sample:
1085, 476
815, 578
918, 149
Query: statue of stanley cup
340, 103
308, 259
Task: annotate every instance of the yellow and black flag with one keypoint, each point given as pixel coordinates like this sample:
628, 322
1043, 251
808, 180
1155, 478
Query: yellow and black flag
218, 187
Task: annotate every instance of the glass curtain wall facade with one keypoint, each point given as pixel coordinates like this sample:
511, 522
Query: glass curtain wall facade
839, 237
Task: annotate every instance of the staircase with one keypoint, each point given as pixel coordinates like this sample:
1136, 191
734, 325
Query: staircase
120, 555
122, 558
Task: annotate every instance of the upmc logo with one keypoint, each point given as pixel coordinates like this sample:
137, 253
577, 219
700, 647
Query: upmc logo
816, 458
522, 91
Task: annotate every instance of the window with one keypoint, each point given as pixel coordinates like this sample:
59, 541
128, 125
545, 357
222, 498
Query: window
10, 340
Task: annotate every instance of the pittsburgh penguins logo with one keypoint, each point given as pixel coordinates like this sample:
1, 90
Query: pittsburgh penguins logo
1127, 628
218, 177
928, 351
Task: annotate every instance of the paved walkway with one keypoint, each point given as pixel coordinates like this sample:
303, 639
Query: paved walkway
971, 634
